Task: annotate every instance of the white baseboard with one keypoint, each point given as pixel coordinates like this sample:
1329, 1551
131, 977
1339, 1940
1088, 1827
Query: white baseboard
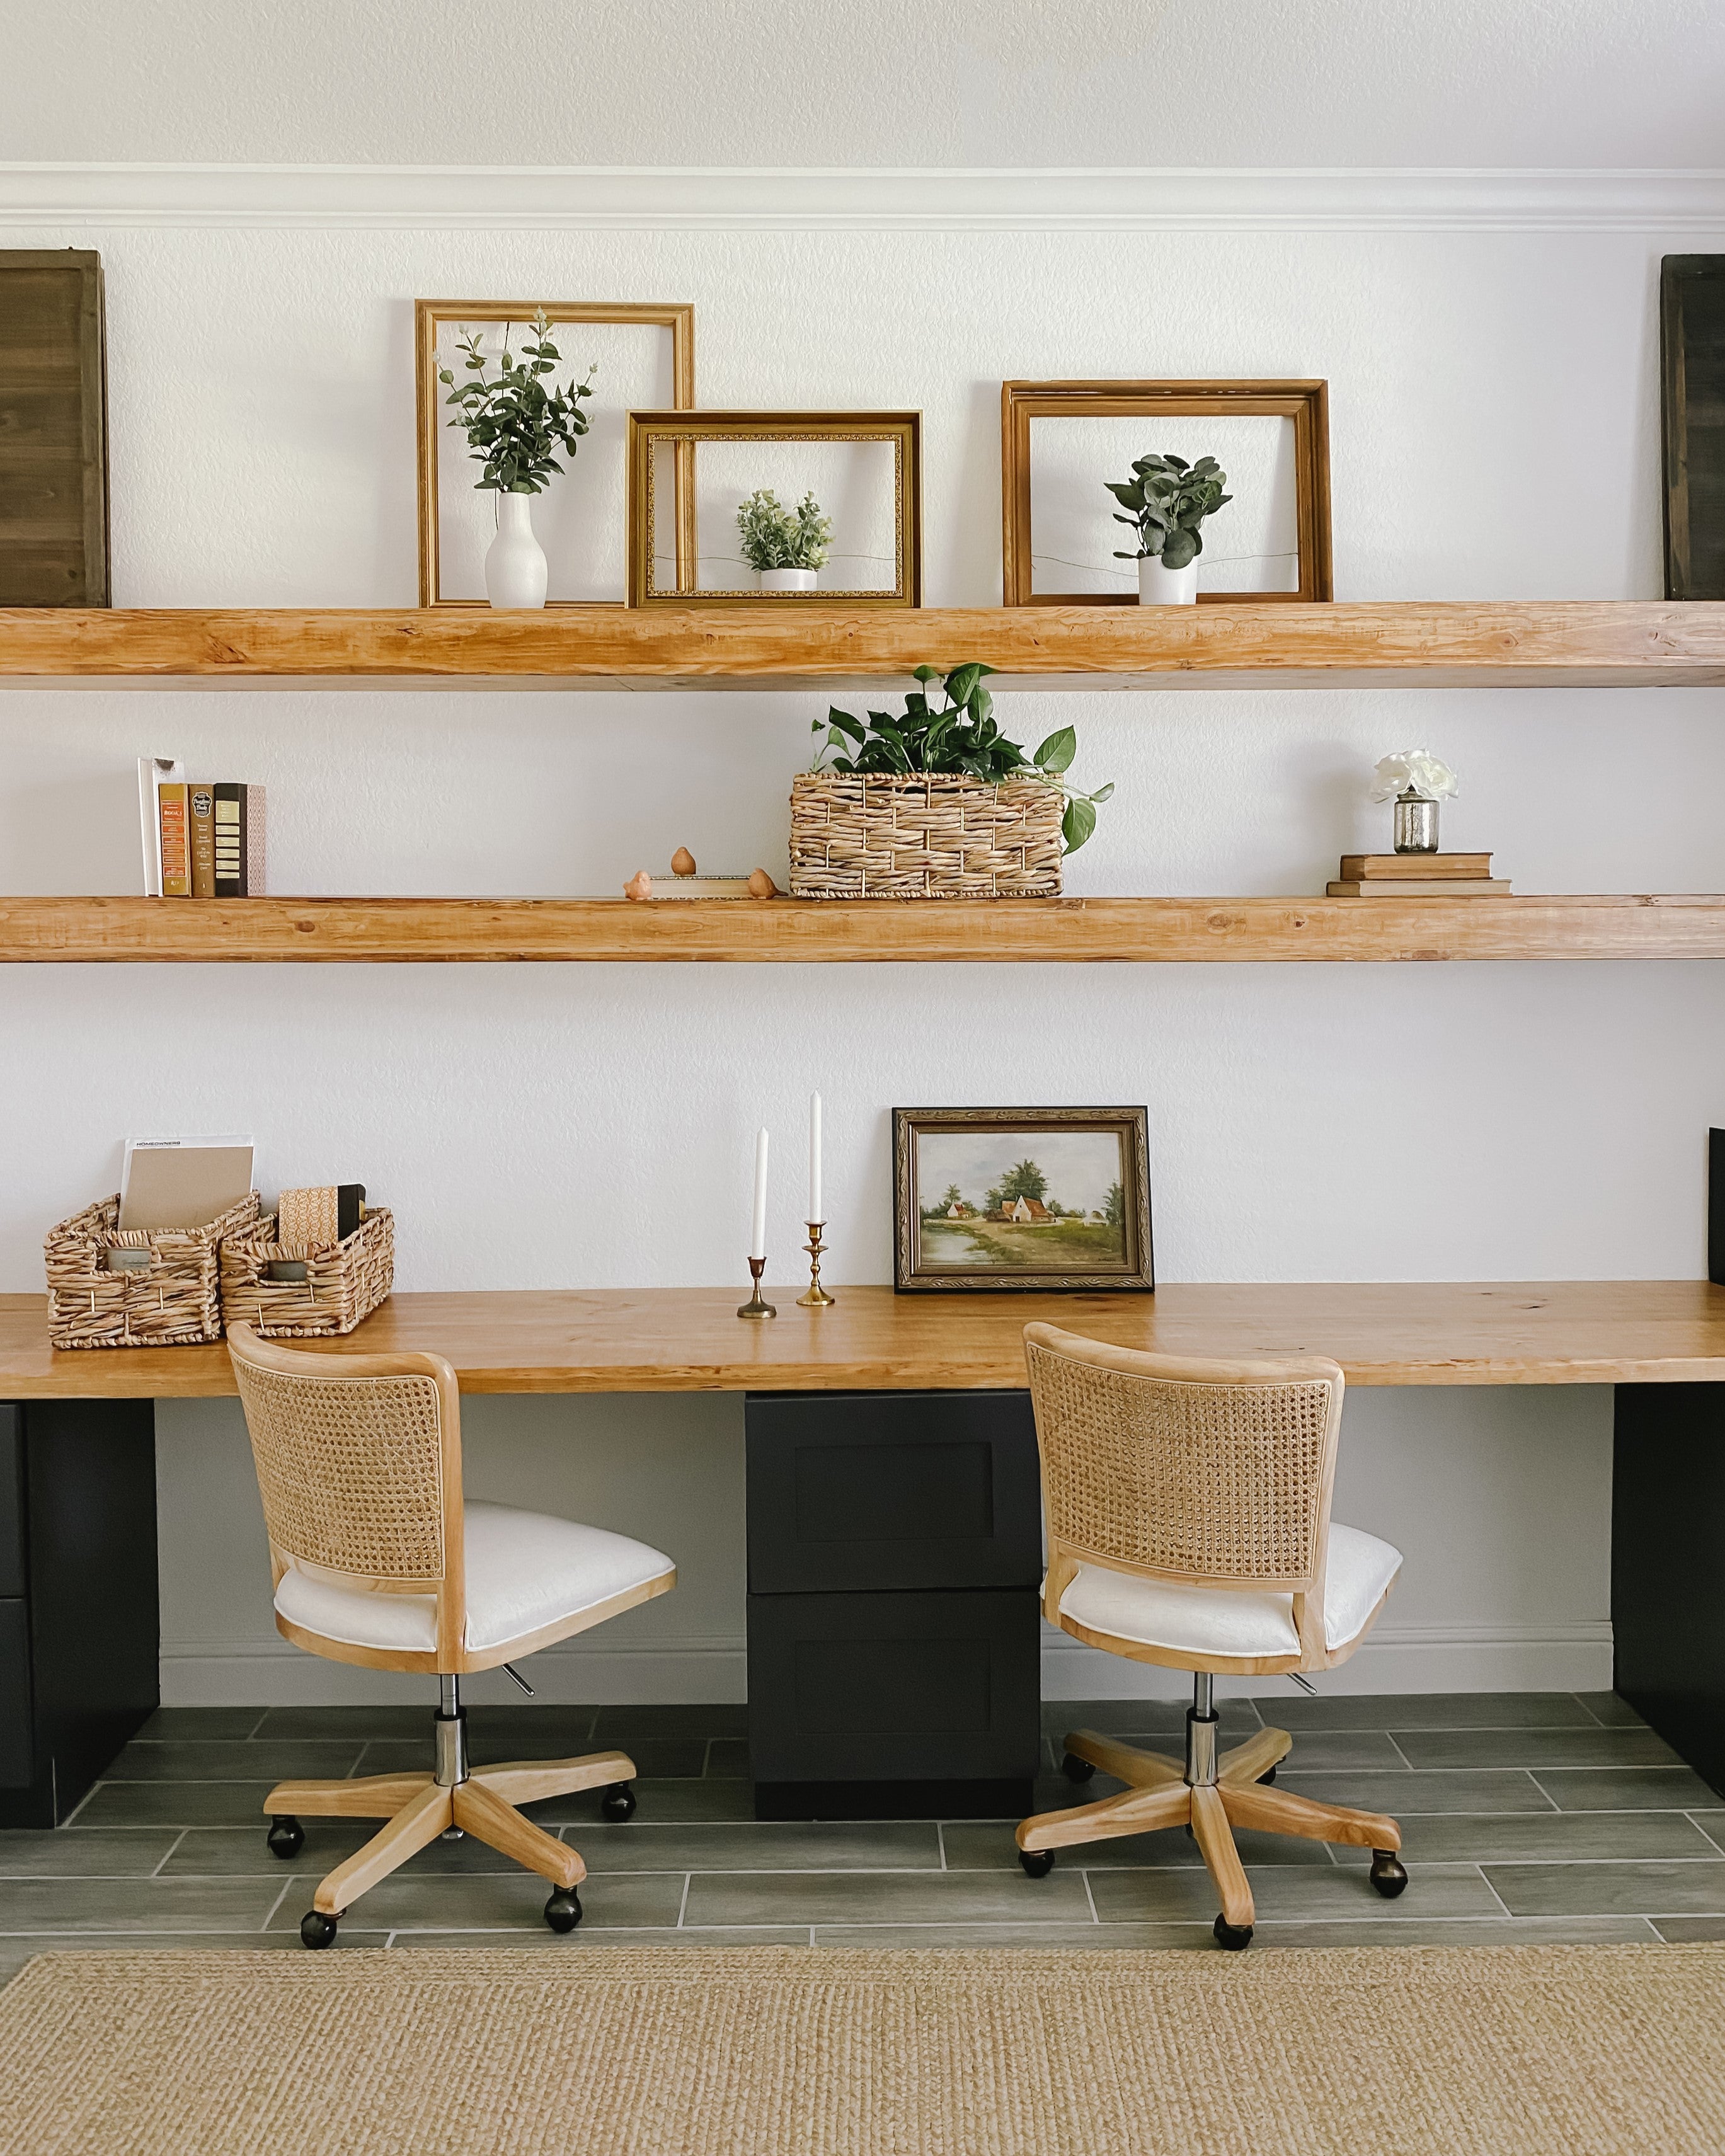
1420, 1658
1427, 1658
271, 1673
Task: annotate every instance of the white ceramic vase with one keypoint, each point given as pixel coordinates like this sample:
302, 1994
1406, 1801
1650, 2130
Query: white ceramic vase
1160, 587
516, 567
787, 580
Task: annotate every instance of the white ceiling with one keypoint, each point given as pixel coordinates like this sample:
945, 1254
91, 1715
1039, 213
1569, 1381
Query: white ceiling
754, 83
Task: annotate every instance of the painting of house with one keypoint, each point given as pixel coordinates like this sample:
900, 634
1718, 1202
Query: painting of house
960, 1211
1027, 1211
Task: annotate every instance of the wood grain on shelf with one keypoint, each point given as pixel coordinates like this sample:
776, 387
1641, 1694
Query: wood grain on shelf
1576, 643
787, 931
620, 1340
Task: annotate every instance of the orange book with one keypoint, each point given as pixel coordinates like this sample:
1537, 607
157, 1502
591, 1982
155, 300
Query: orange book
176, 842
201, 804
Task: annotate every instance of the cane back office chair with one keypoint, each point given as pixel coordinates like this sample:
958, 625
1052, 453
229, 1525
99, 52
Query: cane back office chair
377, 1560
1188, 1525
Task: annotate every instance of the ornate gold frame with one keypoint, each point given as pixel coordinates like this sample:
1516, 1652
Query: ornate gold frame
1306, 403
646, 429
428, 314
1136, 1276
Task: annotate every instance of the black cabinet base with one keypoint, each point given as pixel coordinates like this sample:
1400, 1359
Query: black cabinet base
1010, 1799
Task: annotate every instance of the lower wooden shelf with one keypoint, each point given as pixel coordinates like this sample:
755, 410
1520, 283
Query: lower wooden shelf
1148, 931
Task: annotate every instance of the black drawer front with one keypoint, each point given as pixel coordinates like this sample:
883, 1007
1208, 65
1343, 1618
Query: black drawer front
18, 1760
892, 1490
12, 1501
870, 1687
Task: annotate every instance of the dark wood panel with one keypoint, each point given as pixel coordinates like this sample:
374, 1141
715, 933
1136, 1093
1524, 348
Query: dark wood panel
54, 430
1691, 329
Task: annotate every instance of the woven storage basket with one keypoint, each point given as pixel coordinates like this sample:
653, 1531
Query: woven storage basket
344, 1281
931, 836
177, 1301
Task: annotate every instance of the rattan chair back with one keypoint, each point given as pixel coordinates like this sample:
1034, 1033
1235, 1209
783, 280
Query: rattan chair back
1215, 1474
359, 1466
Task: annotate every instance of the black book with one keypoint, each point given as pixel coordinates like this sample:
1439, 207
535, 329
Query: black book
1716, 1208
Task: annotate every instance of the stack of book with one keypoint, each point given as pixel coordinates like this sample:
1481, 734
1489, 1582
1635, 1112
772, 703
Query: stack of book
201, 841
1418, 876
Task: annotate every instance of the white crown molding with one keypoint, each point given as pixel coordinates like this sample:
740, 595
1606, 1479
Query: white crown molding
407, 197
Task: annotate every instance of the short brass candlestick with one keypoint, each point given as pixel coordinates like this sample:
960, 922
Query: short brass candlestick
817, 1297
755, 1306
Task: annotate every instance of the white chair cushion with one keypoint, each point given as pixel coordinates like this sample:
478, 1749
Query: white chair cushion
525, 1570
1210, 1620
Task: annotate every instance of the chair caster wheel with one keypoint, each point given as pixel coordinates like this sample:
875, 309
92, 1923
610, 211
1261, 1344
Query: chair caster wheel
1390, 1875
1037, 1863
563, 1911
1076, 1770
317, 1929
1235, 1937
1268, 1775
619, 1803
287, 1838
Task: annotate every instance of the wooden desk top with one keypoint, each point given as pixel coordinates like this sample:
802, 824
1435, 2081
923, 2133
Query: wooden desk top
1467, 1332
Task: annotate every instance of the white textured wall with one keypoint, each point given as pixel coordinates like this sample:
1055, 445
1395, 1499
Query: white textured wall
1494, 405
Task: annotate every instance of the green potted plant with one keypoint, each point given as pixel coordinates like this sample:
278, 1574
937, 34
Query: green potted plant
514, 421
787, 546
1167, 500
935, 802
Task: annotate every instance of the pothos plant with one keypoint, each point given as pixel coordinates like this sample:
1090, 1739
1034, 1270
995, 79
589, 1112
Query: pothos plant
775, 537
513, 422
1168, 499
957, 736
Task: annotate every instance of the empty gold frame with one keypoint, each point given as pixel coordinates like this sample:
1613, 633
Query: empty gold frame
1306, 403
651, 433
432, 317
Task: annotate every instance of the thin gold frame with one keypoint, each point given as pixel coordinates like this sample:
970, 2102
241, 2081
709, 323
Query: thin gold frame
678, 317
1131, 1126
647, 429
1306, 403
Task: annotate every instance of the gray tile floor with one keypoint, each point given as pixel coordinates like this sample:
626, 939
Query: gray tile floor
1526, 1816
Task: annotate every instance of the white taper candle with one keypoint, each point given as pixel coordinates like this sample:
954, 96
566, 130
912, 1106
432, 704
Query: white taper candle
814, 1211
758, 1238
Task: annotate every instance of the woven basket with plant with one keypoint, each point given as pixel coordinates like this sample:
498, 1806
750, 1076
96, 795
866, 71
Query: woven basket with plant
935, 804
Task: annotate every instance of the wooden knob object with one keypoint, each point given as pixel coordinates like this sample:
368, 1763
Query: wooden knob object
762, 885
682, 862
640, 885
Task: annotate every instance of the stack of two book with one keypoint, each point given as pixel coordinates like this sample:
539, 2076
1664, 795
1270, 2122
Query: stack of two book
1418, 876
200, 841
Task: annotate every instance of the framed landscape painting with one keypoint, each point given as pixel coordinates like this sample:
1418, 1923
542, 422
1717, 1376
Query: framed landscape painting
1021, 1198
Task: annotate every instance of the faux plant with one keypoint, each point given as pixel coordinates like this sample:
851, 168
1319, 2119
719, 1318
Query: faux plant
1168, 499
775, 537
1416, 771
513, 422
957, 736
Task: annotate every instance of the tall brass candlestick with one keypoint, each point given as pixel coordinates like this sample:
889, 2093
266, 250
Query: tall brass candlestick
755, 1306
817, 1297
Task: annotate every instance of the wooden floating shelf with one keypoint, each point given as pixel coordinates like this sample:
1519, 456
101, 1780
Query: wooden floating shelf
1537, 644
785, 931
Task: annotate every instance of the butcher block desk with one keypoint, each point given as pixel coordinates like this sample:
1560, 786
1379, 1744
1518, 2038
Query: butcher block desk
913, 1404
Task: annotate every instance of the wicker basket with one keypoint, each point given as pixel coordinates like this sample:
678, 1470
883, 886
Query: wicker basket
344, 1281
174, 1301
931, 836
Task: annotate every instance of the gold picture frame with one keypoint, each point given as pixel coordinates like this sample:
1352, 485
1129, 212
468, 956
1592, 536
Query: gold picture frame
967, 1244
429, 315
1305, 402
687, 430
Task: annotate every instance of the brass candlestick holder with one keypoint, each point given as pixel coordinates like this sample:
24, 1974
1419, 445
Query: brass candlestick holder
755, 1306
817, 1297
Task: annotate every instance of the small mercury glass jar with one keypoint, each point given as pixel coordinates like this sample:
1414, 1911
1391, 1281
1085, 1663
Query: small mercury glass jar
1416, 824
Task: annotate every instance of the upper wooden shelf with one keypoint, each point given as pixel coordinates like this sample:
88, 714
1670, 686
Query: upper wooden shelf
620, 1340
789, 931
1537, 644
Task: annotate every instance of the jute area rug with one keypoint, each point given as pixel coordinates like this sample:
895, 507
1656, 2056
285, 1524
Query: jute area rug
687, 2051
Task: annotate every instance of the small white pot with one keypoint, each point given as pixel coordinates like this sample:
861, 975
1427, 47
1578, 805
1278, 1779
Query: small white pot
515, 568
1160, 587
787, 580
